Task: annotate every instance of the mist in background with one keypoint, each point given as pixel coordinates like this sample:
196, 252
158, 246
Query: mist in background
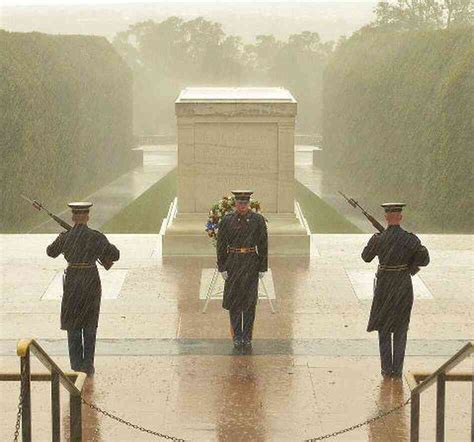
388, 87
246, 19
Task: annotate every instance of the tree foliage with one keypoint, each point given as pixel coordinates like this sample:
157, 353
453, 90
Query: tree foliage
66, 120
170, 55
415, 15
401, 124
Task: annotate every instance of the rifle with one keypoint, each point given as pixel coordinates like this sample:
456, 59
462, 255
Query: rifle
38, 206
413, 269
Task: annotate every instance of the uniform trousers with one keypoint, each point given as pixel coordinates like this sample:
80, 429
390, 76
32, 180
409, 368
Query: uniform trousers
81, 342
392, 356
242, 322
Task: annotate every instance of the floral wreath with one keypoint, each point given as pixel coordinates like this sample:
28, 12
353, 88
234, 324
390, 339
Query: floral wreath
219, 210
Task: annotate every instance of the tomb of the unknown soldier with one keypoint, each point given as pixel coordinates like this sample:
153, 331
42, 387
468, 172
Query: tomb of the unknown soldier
238, 226
232, 138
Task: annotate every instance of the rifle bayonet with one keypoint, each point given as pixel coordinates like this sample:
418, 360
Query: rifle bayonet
351, 201
38, 206
374, 222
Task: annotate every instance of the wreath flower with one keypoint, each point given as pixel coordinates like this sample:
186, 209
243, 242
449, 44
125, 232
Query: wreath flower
219, 210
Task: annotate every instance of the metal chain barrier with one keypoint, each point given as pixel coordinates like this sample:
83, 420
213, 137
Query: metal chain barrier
18, 419
326, 436
130, 424
166, 436
16, 434
354, 427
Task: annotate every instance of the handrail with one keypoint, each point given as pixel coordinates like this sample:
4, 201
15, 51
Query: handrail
37, 377
462, 354
30, 344
24, 349
420, 376
440, 377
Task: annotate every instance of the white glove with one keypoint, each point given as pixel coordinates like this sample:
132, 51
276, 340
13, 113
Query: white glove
224, 275
261, 274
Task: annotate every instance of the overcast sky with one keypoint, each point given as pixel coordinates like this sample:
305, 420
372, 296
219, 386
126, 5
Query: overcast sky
109, 2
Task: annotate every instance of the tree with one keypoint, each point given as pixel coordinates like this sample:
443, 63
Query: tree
260, 57
409, 15
172, 54
296, 64
412, 15
459, 13
169, 55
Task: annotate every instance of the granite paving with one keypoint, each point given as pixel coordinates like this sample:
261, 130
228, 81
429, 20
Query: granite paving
164, 364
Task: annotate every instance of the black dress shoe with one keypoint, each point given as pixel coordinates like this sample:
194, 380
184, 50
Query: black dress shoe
396, 374
386, 374
237, 343
247, 346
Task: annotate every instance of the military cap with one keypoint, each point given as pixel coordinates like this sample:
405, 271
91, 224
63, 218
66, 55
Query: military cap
242, 195
393, 207
80, 207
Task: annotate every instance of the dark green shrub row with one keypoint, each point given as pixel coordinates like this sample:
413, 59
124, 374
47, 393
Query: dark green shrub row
66, 120
398, 123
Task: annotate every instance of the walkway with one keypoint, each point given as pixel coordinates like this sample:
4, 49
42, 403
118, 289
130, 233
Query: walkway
111, 199
312, 178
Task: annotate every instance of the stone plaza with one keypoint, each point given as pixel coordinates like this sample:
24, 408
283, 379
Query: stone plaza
163, 364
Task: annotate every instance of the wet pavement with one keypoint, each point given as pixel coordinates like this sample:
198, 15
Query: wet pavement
112, 198
220, 347
163, 364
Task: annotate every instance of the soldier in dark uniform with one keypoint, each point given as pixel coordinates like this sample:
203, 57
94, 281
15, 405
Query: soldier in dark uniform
242, 258
80, 306
398, 252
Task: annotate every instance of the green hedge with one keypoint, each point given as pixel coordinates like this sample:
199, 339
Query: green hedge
66, 113
398, 123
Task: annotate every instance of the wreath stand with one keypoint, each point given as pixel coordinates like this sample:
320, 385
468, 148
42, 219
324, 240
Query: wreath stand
213, 294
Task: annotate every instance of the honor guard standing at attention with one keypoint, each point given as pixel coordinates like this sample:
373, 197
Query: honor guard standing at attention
399, 252
242, 258
80, 306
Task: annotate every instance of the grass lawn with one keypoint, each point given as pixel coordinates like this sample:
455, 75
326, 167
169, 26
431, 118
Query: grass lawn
321, 217
146, 213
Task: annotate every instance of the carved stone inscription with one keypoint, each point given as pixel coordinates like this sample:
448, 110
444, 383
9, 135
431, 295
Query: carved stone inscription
231, 156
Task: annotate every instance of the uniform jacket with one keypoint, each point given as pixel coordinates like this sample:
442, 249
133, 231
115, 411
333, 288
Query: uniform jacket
80, 306
393, 292
235, 230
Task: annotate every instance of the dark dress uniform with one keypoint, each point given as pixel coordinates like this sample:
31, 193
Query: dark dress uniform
80, 306
398, 251
237, 231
